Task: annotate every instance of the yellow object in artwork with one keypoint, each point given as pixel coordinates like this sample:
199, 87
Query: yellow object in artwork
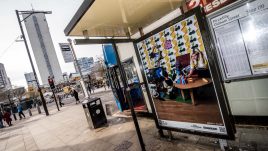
200, 40
146, 52
187, 44
175, 42
165, 52
163, 39
173, 35
152, 42
177, 54
168, 66
198, 33
176, 48
155, 50
202, 47
167, 59
189, 50
184, 30
196, 25
172, 29
163, 45
186, 37
183, 23
161, 34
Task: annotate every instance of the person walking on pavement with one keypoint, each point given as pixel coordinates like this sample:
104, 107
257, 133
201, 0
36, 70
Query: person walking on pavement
92, 87
60, 100
20, 111
7, 118
108, 84
1, 118
89, 87
75, 94
104, 85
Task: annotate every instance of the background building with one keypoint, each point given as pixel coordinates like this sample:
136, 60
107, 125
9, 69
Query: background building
30, 79
43, 48
86, 64
4, 80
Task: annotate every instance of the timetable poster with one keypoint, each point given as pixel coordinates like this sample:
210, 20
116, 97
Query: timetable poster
255, 33
242, 40
232, 50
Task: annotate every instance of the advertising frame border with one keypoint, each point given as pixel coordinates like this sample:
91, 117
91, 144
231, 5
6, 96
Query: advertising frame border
215, 73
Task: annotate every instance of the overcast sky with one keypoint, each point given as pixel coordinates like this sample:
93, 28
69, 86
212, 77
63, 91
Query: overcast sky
13, 54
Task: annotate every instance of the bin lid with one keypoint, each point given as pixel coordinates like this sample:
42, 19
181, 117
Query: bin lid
87, 100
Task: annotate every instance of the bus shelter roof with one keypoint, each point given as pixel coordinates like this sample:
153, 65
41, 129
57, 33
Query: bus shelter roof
117, 18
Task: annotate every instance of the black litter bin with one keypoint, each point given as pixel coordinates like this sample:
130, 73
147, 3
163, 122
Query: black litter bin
94, 112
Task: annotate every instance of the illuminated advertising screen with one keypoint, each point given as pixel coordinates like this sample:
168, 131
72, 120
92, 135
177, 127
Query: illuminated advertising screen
178, 74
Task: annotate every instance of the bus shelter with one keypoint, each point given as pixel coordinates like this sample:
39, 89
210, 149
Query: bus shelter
173, 58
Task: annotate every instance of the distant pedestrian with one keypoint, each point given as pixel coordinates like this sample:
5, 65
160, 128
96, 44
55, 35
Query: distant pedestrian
75, 94
104, 84
89, 87
20, 111
60, 100
7, 118
1, 118
92, 87
108, 83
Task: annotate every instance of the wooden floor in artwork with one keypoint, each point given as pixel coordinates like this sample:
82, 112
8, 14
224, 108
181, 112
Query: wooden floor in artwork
205, 112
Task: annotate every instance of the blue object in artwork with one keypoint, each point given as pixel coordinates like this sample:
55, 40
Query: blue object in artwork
161, 94
183, 80
158, 72
110, 58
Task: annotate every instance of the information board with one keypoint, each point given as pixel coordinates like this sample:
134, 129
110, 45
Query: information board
241, 37
66, 52
232, 50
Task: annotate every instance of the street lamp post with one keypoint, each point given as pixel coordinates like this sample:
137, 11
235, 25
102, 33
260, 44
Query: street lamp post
79, 69
29, 55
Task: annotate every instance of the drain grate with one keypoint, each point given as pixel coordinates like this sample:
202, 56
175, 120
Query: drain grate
124, 146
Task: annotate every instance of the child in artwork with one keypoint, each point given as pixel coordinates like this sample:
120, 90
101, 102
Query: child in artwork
198, 64
180, 78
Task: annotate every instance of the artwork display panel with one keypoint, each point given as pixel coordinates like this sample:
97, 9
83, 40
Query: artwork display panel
177, 70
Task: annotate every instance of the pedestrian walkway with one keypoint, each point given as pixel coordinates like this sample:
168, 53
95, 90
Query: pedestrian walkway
67, 130
100, 90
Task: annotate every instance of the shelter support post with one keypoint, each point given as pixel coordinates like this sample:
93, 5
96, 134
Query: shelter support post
160, 130
129, 100
170, 136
